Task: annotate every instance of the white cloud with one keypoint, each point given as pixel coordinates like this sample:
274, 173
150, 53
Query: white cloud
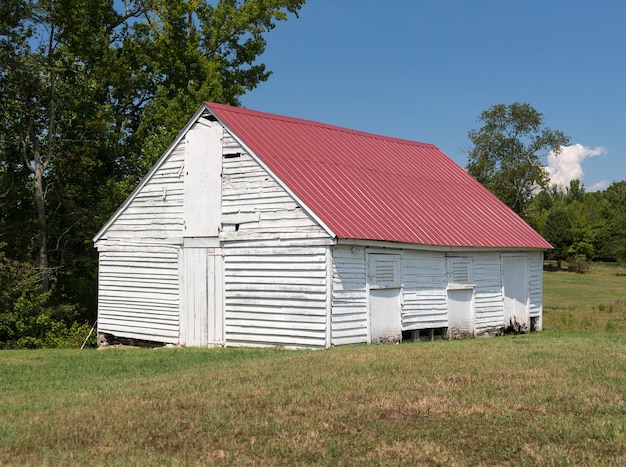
599, 186
567, 166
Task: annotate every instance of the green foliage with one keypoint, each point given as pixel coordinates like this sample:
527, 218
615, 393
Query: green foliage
557, 231
582, 226
93, 92
509, 150
27, 320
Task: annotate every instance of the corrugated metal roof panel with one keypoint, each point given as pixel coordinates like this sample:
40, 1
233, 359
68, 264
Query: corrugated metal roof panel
369, 187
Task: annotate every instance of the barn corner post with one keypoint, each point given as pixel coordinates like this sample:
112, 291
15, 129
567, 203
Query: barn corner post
329, 296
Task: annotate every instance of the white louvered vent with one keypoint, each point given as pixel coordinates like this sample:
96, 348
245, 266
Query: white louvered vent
385, 272
460, 272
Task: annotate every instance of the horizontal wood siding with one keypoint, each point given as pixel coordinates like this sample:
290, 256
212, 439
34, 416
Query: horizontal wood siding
275, 268
424, 303
275, 296
349, 300
254, 204
138, 294
536, 284
488, 306
156, 212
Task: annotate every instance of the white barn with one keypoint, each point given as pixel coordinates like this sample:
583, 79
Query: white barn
256, 229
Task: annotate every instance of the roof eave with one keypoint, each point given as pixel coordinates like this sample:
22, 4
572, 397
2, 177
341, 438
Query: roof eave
421, 246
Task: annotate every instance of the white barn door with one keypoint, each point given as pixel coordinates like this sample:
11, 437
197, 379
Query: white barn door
384, 298
202, 309
515, 289
461, 319
460, 313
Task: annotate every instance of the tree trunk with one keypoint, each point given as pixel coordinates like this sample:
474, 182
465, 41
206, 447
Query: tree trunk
40, 206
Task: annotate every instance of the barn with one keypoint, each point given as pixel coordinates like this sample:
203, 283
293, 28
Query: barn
256, 229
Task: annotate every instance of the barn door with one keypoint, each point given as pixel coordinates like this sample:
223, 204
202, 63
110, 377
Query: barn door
384, 298
460, 313
515, 289
201, 308
460, 297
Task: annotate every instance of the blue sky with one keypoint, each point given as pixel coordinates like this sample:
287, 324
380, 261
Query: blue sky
425, 70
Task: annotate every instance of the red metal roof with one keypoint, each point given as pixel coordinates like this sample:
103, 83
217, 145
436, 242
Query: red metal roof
369, 187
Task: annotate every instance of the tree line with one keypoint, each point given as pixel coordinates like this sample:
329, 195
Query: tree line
508, 156
93, 91
581, 226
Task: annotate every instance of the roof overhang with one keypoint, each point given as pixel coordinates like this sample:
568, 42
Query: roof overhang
415, 246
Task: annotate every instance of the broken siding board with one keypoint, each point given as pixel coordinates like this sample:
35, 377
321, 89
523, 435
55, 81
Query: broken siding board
136, 330
248, 188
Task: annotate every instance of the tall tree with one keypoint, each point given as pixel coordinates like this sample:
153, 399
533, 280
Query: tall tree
509, 151
93, 91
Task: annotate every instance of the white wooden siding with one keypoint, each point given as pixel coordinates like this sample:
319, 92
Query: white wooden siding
275, 265
157, 210
254, 204
424, 293
536, 284
349, 300
138, 294
275, 296
201, 285
488, 309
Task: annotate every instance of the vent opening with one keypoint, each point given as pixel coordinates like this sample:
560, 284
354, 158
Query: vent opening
424, 335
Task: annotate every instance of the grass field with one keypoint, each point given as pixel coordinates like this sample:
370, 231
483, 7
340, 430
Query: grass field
592, 301
551, 398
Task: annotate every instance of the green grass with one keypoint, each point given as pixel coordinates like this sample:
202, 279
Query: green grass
548, 398
551, 398
592, 301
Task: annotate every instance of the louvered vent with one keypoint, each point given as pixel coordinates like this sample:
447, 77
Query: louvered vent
460, 272
385, 272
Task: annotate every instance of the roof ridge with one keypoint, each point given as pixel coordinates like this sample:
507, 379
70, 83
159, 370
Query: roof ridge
304, 121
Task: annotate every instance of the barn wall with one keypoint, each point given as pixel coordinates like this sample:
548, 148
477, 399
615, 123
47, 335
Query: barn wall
275, 263
425, 284
254, 205
488, 293
349, 301
536, 289
275, 295
424, 294
138, 292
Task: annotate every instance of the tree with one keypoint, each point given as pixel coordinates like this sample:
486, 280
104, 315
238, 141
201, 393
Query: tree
509, 152
558, 231
93, 91
614, 245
